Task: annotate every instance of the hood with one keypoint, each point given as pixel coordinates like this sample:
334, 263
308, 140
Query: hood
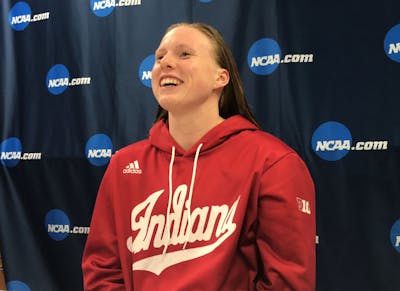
161, 138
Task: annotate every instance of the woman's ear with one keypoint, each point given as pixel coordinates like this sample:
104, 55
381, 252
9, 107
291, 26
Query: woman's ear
222, 77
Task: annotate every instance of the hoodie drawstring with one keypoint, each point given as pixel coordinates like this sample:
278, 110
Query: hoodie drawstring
188, 201
171, 164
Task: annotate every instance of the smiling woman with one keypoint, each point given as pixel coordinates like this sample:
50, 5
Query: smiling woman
235, 102
186, 60
173, 211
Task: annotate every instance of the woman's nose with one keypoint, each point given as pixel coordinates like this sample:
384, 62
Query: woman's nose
167, 62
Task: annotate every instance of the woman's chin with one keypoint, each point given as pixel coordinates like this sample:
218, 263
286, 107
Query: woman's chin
168, 103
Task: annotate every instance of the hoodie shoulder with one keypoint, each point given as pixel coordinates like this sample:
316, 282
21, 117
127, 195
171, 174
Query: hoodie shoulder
266, 139
267, 147
255, 136
136, 147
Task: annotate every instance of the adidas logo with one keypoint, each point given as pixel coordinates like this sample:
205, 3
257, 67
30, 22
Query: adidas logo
132, 168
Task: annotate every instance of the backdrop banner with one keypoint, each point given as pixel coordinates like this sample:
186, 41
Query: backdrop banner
75, 87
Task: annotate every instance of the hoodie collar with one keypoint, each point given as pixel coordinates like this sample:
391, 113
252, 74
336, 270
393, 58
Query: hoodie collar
160, 137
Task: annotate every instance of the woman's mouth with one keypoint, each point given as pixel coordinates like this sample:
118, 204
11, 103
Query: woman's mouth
170, 82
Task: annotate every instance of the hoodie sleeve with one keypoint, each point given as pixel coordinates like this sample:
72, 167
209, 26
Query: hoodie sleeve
286, 227
101, 264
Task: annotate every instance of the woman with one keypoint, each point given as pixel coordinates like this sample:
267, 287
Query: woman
208, 201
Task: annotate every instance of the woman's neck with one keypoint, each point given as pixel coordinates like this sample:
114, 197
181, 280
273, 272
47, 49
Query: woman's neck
188, 130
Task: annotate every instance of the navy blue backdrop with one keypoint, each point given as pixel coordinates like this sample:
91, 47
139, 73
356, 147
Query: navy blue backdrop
75, 88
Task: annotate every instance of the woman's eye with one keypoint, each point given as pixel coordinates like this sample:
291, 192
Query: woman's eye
185, 54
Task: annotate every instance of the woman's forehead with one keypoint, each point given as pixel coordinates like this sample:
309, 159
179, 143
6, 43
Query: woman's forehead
186, 37
186, 34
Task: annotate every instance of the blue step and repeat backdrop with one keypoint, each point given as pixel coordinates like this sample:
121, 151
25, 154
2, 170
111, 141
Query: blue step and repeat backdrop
75, 87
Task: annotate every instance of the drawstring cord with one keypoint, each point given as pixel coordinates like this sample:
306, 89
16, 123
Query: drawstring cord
188, 201
171, 164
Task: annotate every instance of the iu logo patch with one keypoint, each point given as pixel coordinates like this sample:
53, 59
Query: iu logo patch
303, 205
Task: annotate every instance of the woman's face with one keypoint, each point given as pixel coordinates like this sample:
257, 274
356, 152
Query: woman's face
185, 76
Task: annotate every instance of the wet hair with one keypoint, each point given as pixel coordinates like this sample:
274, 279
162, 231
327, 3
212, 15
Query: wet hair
232, 100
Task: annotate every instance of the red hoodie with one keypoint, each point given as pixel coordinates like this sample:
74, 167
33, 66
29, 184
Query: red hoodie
235, 212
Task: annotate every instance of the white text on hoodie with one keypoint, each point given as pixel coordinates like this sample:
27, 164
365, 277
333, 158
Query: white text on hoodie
217, 220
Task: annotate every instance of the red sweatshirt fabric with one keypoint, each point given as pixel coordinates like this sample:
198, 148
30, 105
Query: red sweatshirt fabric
235, 212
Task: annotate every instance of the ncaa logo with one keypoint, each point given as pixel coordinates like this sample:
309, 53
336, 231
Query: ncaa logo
392, 43
17, 286
57, 79
99, 149
145, 70
331, 141
19, 16
102, 8
264, 56
57, 224
10, 151
395, 235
